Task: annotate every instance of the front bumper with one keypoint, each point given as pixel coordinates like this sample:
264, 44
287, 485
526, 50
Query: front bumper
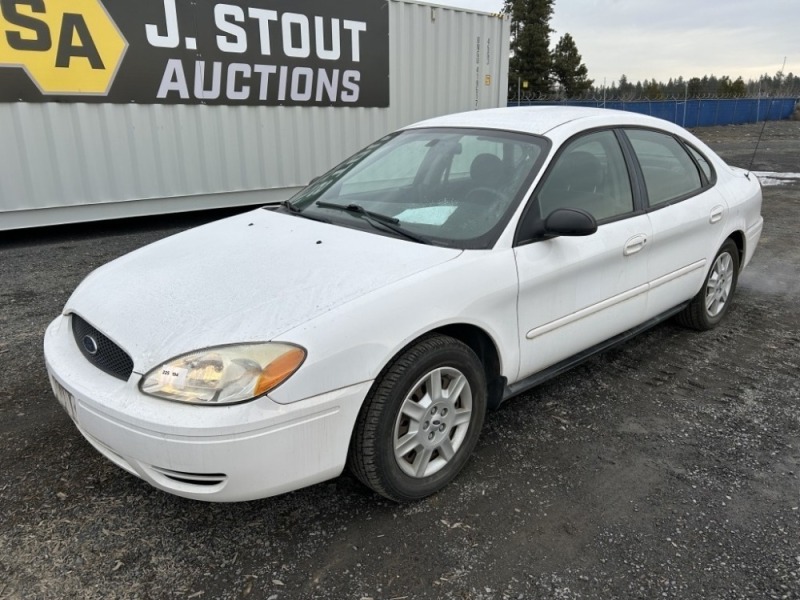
213, 453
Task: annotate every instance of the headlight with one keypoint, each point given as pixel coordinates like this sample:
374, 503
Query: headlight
225, 374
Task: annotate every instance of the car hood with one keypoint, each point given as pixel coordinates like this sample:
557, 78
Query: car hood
247, 278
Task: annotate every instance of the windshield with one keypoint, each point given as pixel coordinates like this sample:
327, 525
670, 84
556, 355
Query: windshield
451, 187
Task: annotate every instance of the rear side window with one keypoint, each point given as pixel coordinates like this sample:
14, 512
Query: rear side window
669, 172
703, 162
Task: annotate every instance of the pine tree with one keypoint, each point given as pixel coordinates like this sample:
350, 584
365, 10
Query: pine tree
625, 87
652, 90
695, 85
724, 87
738, 88
530, 44
568, 68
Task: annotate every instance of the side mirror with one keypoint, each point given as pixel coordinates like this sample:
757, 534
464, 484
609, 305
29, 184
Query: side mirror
562, 221
569, 221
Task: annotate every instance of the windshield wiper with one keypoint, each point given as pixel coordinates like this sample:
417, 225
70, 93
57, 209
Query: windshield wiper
299, 212
359, 210
291, 207
375, 219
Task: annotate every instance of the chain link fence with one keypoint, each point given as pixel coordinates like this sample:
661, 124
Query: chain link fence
689, 112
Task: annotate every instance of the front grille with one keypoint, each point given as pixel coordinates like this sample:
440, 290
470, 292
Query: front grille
107, 357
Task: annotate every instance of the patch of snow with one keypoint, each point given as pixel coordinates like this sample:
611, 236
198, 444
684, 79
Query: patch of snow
768, 178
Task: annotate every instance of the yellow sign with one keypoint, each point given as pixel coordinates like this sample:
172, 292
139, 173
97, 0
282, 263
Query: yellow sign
65, 46
487, 80
524, 85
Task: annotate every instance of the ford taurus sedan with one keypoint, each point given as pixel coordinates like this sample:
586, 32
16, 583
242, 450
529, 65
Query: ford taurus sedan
372, 319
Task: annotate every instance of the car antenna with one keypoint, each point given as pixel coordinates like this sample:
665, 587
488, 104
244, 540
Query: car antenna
758, 141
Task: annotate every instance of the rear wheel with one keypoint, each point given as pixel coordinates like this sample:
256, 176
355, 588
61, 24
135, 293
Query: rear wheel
713, 300
421, 420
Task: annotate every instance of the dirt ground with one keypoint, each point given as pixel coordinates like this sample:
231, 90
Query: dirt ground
668, 467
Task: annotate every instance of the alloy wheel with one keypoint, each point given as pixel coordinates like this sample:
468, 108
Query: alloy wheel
433, 422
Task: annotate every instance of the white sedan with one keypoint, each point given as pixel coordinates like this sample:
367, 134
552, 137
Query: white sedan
371, 320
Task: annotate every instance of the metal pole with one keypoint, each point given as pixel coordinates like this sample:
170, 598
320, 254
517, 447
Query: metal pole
685, 102
604, 92
519, 97
758, 102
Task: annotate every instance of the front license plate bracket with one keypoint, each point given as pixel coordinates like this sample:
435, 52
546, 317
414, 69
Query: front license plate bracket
65, 399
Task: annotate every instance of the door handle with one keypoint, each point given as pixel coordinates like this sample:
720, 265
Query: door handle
716, 214
634, 245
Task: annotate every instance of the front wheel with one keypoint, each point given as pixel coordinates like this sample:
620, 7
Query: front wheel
713, 300
421, 420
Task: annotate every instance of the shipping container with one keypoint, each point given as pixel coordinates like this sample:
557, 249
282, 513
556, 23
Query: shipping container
247, 109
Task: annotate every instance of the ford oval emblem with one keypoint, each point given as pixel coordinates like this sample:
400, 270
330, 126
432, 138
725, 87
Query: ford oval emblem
90, 344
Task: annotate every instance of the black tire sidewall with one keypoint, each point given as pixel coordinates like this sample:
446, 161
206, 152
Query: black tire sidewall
730, 248
395, 481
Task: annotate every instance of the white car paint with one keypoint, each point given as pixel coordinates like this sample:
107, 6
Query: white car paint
353, 300
271, 271
565, 286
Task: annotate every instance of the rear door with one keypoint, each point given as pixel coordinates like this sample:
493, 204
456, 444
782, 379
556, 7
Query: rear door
686, 213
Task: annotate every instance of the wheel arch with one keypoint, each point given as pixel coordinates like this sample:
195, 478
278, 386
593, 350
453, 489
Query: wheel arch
738, 238
479, 341
486, 350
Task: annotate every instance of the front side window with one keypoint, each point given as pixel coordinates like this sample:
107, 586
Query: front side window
590, 174
452, 187
669, 172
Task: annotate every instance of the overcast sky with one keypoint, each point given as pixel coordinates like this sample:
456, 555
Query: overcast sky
671, 38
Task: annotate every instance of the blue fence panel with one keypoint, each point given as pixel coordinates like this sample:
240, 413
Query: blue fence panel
696, 112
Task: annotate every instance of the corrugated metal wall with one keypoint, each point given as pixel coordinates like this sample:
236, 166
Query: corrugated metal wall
70, 162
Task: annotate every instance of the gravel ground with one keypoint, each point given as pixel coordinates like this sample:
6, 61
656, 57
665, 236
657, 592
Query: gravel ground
668, 467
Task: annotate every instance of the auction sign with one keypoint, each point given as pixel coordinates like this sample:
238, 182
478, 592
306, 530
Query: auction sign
238, 52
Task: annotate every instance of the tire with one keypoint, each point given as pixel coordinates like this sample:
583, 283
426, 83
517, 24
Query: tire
407, 444
707, 308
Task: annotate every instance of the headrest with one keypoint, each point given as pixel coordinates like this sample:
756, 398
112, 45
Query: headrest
486, 170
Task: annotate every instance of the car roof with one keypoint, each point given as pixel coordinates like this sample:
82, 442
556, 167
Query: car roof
540, 120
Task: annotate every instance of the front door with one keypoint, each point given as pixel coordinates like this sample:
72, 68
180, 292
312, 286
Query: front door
575, 292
